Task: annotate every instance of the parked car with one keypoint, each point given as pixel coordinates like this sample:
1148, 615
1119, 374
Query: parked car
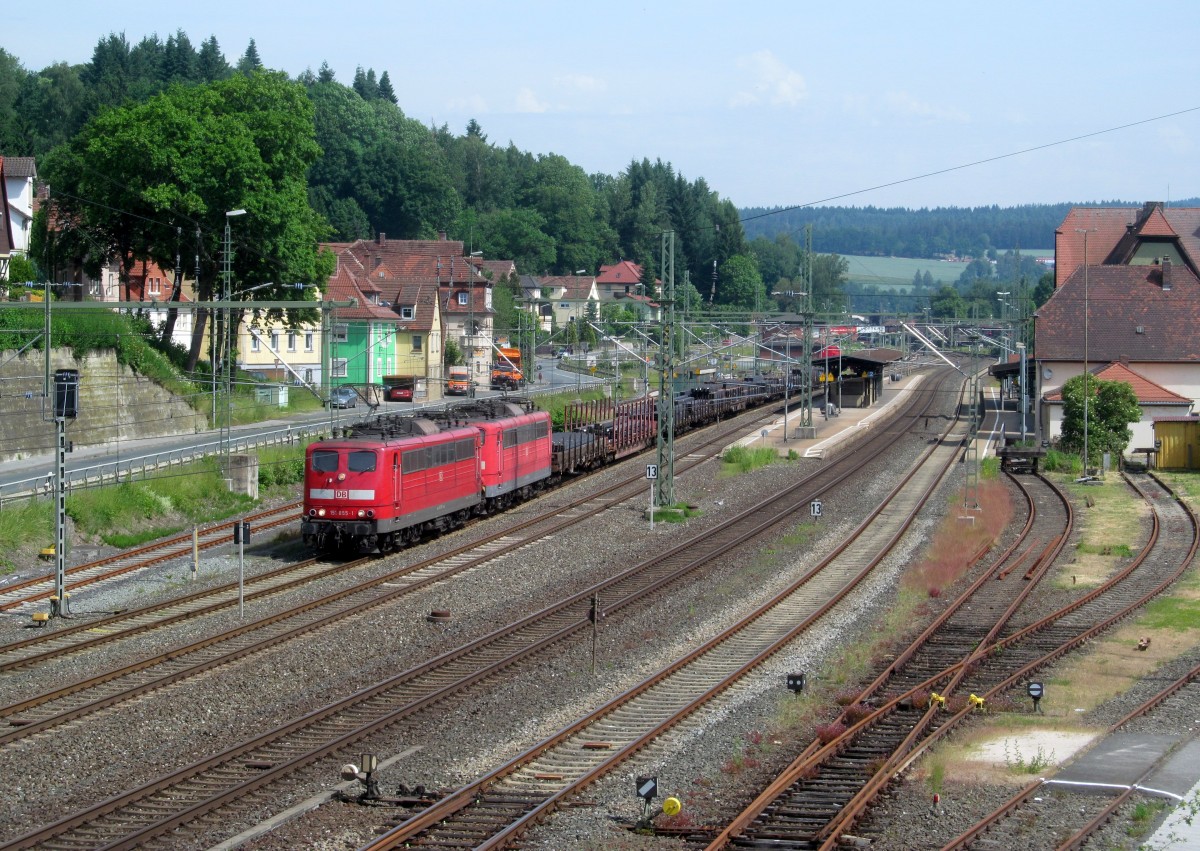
400, 393
343, 397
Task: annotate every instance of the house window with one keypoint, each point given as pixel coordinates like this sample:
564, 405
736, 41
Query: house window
274, 341
291, 341
308, 341
564, 305
406, 313
155, 286
254, 343
341, 333
416, 342
338, 367
462, 298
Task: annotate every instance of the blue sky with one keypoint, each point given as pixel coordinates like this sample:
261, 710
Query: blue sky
775, 103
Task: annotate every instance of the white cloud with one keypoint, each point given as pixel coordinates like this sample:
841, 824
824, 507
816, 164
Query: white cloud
471, 104
770, 82
527, 101
582, 83
902, 103
1175, 140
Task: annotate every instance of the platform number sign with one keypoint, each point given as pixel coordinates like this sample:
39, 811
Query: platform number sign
651, 471
814, 508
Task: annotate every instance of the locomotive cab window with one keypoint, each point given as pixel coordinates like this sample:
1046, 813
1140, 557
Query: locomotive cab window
324, 461
361, 462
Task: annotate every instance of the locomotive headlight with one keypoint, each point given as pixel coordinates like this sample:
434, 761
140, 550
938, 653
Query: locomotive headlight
361, 513
320, 512
341, 477
370, 513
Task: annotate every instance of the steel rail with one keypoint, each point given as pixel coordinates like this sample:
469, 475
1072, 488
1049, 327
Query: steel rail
1062, 646
1013, 804
127, 561
794, 623
242, 772
419, 575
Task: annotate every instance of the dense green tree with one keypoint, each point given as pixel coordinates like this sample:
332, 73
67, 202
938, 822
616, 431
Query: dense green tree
385, 88
1044, 289
250, 62
210, 62
325, 73
180, 61
947, 304
185, 158
13, 139
1111, 407
740, 285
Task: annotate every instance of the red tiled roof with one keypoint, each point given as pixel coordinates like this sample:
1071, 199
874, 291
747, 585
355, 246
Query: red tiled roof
1130, 316
1113, 234
421, 297
625, 272
1104, 226
6, 238
1147, 391
1156, 224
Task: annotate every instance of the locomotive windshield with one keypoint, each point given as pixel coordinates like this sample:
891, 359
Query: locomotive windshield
324, 461
360, 462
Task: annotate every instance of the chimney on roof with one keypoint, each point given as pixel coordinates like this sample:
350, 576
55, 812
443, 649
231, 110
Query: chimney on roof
442, 235
1166, 274
381, 238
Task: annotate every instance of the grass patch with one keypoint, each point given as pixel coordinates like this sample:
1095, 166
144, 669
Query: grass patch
743, 459
24, 526
159, 505
1060, 462
678, 513
1112, 519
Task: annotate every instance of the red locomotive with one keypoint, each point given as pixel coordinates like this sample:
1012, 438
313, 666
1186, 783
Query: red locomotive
394, 479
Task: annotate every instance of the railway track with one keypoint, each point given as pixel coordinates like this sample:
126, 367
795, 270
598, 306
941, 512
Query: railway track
22, 594
212, 791
1091, 813
498, 808
47, 710
826, 790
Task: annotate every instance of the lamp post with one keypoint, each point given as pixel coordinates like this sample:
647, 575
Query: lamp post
1086, 389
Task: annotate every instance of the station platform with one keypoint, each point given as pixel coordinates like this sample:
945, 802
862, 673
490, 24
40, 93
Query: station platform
832, 432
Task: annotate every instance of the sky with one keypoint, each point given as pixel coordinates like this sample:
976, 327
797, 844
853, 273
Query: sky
773, 104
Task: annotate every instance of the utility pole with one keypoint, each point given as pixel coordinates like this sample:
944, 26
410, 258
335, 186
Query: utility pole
666, 379
806, 367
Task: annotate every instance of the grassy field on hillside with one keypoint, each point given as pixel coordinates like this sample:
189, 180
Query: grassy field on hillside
899, 271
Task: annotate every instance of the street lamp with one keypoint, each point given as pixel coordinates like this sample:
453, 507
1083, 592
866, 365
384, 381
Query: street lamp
1086, 392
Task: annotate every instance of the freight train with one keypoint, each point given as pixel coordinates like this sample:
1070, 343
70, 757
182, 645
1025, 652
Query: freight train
390, 481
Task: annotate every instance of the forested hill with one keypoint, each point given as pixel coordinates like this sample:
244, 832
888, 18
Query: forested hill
903, 232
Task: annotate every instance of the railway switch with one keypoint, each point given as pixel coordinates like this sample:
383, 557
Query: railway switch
940, 700
976, 701
365, 775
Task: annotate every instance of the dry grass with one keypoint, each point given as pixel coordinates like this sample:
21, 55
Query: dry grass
1114, 527
959, 537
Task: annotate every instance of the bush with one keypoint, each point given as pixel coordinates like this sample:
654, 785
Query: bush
826, 733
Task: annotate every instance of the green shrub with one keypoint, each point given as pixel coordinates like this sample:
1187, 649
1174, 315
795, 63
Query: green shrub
743, 459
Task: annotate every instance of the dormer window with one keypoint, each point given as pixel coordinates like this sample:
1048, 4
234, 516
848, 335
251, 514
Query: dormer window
462, 299
407, 313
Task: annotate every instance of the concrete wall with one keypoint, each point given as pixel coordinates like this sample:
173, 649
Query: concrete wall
116, 405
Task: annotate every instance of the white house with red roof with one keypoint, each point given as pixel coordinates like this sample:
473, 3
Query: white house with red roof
1155, 401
